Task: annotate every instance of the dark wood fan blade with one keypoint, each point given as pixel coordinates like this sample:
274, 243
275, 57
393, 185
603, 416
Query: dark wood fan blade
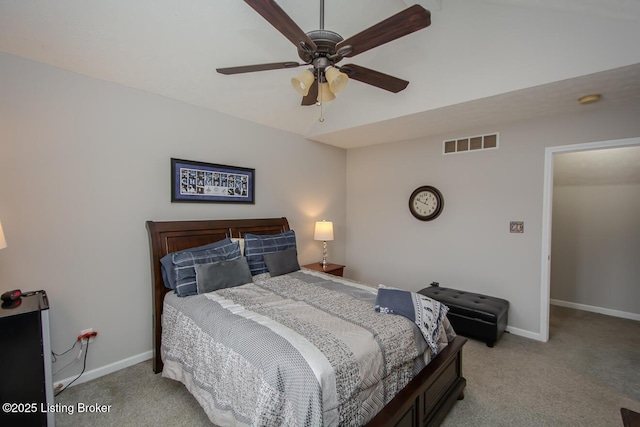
374, 78
277, 17
312, 96
258, 67
406, 22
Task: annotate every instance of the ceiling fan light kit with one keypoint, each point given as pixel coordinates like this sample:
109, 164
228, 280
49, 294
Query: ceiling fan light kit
325, 94
323, 49
302, 83
337, 79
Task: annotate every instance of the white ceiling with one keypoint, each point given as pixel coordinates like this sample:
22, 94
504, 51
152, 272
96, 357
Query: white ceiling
481, 62
609, 166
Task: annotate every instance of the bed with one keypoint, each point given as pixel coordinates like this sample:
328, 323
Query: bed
424, 394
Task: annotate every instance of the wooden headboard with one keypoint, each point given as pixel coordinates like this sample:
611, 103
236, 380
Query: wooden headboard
171, 236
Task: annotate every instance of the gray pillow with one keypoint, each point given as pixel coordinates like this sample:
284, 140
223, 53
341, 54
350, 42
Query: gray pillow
282, 262
222, 274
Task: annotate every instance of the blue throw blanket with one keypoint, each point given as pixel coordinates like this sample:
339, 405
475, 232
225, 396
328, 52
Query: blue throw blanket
425, 312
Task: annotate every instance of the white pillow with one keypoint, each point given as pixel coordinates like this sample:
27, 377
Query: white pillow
241, 241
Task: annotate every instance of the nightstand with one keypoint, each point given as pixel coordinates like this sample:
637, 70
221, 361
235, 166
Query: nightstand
25, 355
335, 269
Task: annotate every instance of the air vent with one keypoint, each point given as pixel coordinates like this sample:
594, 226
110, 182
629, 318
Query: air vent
471, 143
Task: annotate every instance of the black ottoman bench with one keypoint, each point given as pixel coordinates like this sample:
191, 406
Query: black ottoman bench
472, 315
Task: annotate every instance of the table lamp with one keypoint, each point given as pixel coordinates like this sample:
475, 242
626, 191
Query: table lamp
324, 232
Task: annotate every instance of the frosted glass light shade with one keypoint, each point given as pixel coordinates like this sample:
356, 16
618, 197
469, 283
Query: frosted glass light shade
336, 78
324, 231
302, 83
324, 93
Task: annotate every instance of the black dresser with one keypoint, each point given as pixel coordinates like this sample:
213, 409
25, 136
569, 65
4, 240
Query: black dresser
26, 387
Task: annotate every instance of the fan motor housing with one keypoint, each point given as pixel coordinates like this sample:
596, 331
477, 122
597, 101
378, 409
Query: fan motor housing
326, 42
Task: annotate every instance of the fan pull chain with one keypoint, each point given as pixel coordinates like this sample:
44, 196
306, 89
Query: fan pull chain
321, 119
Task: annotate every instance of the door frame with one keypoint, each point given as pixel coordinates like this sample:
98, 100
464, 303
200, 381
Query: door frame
547, 208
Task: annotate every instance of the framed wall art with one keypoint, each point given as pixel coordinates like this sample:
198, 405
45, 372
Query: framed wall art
211, 183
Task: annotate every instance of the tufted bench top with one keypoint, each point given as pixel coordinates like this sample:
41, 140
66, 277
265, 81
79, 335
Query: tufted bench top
468, 304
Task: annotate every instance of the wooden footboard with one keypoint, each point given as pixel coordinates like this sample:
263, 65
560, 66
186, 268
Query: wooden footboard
427, 399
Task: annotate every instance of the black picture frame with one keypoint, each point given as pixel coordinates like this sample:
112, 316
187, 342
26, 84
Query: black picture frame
193, 181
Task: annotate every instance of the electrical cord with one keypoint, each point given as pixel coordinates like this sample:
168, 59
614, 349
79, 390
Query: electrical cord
84, 365
55, 355
54, 358
64, 367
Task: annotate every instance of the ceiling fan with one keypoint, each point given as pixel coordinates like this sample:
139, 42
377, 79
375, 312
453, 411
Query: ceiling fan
323, 49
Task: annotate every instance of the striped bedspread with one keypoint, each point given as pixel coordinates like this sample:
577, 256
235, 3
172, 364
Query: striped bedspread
303, 349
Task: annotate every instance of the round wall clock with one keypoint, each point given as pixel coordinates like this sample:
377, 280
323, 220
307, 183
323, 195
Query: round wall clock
426, 203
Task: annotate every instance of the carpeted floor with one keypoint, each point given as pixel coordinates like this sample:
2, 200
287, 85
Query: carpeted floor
588, 370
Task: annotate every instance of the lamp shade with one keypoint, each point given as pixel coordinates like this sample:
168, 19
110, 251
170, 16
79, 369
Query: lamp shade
324, 93
324, 231
3, 242
302, 83
336, 78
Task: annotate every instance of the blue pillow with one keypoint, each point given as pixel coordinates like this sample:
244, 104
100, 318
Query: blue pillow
182, 264
167, 267
425, 312
256, 245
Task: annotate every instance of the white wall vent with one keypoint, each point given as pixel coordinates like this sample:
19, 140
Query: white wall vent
470, 143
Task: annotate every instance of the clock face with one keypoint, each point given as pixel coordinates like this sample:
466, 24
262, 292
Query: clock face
426, 203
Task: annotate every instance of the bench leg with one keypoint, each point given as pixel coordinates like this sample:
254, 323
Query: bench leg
490, 344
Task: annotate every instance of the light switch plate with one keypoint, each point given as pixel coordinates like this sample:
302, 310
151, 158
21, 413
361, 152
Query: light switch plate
516, 226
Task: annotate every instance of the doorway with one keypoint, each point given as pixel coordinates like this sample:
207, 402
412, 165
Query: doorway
547, 205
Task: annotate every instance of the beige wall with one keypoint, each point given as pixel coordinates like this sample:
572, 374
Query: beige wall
83, 165
469, 246
595, 246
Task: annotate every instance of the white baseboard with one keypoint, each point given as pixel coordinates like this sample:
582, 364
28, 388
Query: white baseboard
105, 370
524, 333
593, 309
